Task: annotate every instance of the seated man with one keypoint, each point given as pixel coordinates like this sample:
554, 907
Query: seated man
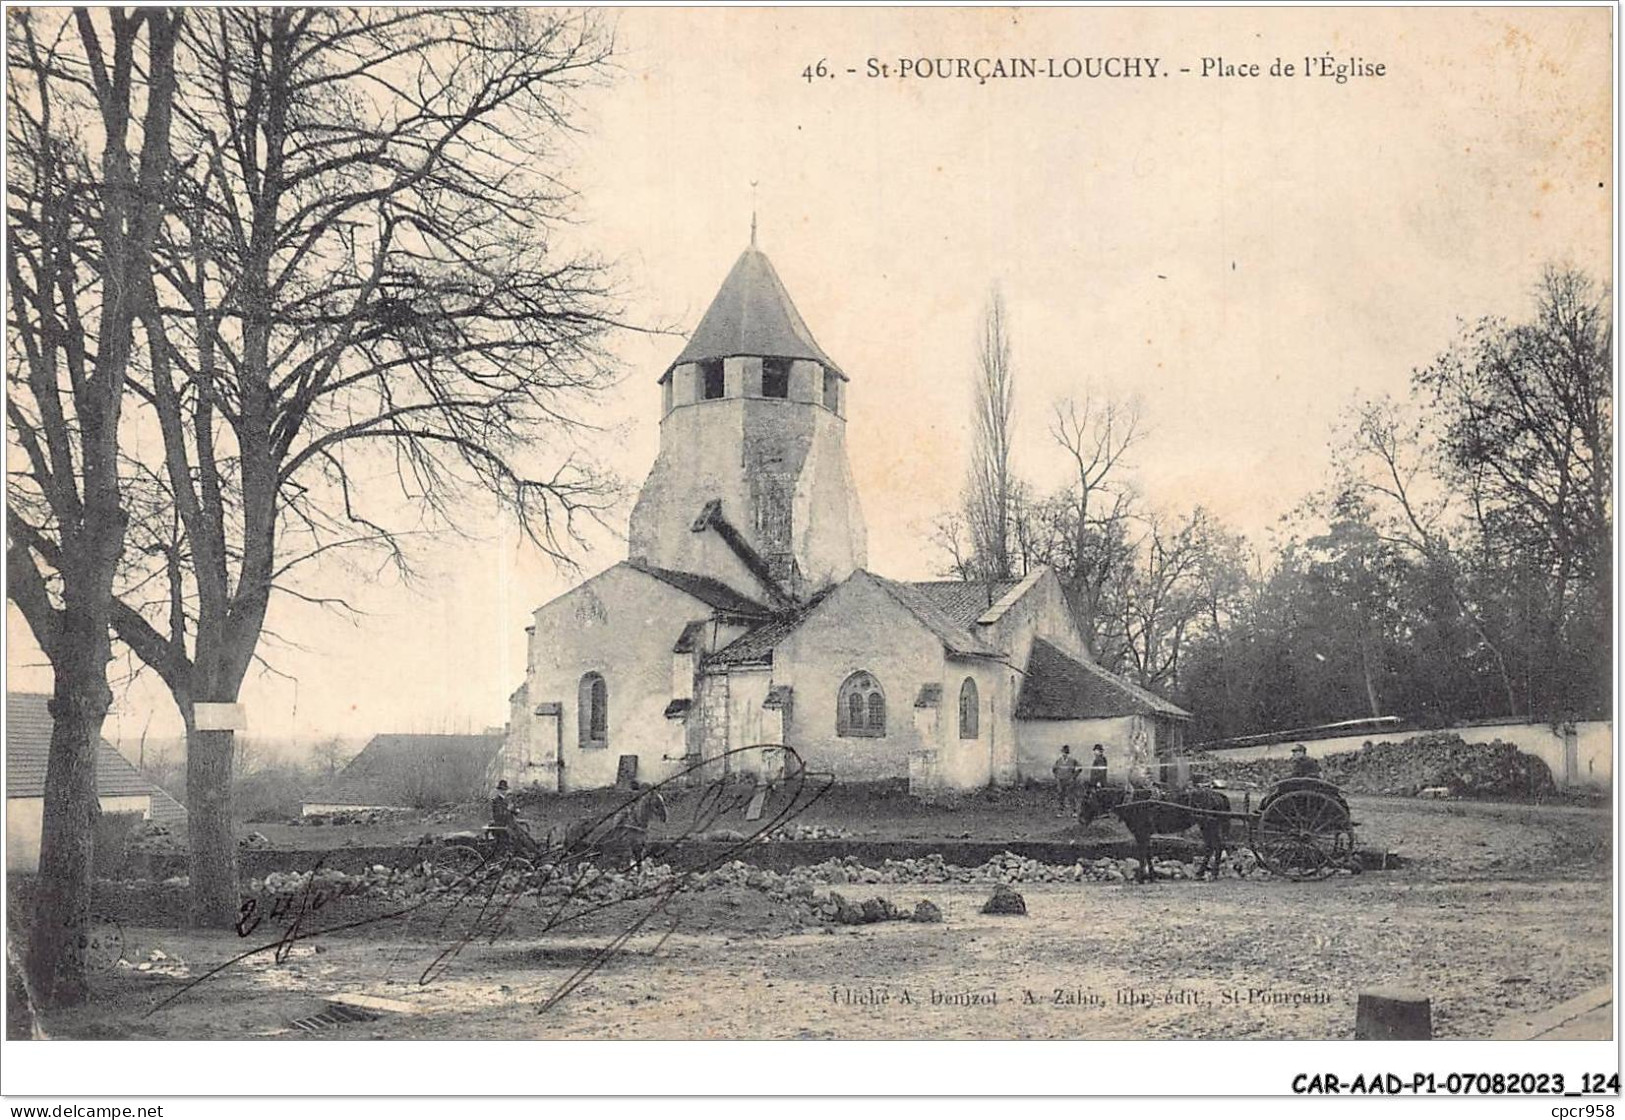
501, 809
1302, 765
505, 818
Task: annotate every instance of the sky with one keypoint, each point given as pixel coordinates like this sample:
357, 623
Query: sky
1245, 256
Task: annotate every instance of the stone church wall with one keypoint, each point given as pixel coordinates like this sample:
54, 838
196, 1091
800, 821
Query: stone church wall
971, 763
859, 627
622, 624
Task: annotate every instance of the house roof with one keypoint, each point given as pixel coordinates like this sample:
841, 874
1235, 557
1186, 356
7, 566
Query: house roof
408, 771
28, 748
713, 593
752, 314
1056, 686
964, 601
755, 646
955, 637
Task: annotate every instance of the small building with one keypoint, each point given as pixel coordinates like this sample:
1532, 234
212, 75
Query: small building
409, 772
120, 787
745, 621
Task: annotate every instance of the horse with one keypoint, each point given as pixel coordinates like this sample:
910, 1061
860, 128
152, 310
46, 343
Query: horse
627, 829
1152, 812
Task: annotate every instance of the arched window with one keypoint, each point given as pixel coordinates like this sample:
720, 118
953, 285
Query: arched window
592, 711
860, 707
970, 710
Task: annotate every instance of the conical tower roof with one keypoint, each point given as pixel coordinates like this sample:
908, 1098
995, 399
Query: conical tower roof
752, 315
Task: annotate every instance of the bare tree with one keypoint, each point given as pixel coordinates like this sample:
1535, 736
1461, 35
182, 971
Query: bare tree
361, 314
1165, 597
82, 231
330, 756
1092, 513
1386, 459
989, 490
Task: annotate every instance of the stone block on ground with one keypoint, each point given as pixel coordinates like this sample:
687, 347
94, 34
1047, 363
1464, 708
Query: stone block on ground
1004, 900
927, 911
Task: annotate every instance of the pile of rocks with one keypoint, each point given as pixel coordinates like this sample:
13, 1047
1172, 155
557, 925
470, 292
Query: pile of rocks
352, 816
795, 830
805, 887
1009, 867
1433, 762
836, 908
155, 838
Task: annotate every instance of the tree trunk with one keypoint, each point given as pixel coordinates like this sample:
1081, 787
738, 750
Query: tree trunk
1370, 681
211, 830
57, 942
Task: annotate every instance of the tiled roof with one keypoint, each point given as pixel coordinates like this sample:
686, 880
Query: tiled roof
28, 748
752, 314
412, 771
964, 601
754, 646
713, 593
1056, 686
689, 640
167, 811
953, 634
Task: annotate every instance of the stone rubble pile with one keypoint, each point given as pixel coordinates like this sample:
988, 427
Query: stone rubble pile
356, 816
807, 888
795, 830
1430, 762
1012, 868
151, 836
158, 962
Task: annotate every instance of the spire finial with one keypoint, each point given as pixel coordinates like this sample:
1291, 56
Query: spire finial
753, 213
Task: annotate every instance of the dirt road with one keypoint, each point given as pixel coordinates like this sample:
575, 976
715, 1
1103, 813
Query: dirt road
1498, 910
1233, 959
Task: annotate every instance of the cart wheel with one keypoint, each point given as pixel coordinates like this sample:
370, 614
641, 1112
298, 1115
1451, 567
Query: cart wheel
1299, 834
460, 859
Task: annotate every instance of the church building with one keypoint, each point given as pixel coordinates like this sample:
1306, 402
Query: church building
744, 619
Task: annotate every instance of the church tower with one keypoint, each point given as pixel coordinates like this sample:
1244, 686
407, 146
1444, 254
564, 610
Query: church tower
752, 485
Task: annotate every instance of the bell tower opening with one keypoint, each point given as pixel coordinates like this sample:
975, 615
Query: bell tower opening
712, 380
776, 378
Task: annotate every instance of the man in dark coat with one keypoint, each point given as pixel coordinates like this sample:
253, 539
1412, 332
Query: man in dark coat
1302, 765
1066, 771
501, 809
1097, 767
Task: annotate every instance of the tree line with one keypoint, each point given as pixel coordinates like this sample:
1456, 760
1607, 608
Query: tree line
1456, 562
286, 288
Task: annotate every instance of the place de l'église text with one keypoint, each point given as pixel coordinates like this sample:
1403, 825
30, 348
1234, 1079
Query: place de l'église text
1339, 69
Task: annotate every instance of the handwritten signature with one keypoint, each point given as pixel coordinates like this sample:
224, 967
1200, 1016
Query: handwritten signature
476, 904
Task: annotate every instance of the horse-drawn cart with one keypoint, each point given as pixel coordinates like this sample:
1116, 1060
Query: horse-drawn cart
1301, 830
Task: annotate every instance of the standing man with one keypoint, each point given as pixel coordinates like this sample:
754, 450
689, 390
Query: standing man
1066, 771
1097, 767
